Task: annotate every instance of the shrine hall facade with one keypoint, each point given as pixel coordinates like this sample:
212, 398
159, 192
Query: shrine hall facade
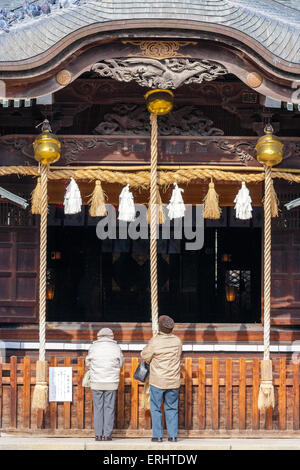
234, 67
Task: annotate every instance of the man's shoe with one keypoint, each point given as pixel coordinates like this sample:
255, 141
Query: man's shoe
172, 439
107, 438
157, 439
98, 438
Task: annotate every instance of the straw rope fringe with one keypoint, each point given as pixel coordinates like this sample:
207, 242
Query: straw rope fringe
97, 201
211, 203
36, 198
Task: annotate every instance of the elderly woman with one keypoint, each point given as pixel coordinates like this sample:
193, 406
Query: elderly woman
163, 352
105, 360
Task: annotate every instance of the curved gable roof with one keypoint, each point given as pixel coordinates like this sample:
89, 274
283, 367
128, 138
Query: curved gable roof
268, 24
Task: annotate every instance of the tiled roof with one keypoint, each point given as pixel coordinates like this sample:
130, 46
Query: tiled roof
271, 24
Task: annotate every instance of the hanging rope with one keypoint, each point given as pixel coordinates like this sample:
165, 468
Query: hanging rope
153, 225
266, 390
267, 262
40, 396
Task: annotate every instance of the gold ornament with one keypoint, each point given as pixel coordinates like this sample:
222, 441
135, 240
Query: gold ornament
159, 49
269, 148
159, 102
46, 146
254, 79
64, 77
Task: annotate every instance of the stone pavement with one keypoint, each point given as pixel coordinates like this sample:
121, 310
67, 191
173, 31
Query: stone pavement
57, 443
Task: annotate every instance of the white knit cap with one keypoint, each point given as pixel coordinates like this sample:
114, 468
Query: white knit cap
105, 332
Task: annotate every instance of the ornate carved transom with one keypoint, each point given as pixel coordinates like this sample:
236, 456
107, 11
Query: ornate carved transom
132, 119
152, 73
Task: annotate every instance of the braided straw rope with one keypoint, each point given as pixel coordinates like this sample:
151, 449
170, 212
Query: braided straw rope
142, 178
153, 225
267, 261
43, 260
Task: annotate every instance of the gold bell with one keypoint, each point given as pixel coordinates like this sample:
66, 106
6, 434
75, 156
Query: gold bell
46, 146
159, 102
269, 148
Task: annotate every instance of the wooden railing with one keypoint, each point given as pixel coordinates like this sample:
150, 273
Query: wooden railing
217, 396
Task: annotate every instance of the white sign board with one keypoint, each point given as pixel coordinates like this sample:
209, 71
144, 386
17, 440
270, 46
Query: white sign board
60, 383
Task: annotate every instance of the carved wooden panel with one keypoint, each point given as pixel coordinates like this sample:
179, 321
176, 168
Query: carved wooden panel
103, 149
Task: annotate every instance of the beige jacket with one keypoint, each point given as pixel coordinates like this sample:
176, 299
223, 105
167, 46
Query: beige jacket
163, 352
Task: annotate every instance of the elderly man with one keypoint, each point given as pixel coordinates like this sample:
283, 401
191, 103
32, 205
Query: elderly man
163, 352
105, 360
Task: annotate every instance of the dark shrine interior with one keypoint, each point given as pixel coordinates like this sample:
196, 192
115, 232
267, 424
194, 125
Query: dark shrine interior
96, 280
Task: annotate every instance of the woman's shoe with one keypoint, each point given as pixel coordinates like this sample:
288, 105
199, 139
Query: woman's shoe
98, 438
157, 439
172, 439
107, 438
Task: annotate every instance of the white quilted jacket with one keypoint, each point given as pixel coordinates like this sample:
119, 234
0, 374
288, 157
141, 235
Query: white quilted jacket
105, 360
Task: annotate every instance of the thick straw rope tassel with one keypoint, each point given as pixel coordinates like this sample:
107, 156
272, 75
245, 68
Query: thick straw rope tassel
40, 395
266, 390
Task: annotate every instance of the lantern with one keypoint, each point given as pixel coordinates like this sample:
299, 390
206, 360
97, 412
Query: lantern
50, 292
269, 148
159, 102
226, 258
46, 146
230, 293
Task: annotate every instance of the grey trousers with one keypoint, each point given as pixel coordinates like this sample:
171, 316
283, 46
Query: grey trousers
104, 411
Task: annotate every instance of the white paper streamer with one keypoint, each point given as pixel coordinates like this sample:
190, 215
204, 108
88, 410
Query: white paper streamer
126, 205
243, 207
176, 207
72, 201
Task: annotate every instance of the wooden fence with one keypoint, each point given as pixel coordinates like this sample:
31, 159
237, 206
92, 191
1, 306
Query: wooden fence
217, 397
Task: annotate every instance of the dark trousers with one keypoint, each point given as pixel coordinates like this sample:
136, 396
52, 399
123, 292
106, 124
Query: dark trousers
104, 411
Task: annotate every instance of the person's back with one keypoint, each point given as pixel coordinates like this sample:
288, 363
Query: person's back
104, 360
163, 353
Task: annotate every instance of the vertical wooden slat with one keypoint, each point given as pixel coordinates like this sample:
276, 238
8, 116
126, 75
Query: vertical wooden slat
134, 395
26, 393
13, 392
1, 394
80, 393
255, 392
228, 394
269, 419
282, 394
40, 419
188, 393
121, 397
296, 402
215, 393
53, 404
67, 404
201, 392
269, 414
242, 394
